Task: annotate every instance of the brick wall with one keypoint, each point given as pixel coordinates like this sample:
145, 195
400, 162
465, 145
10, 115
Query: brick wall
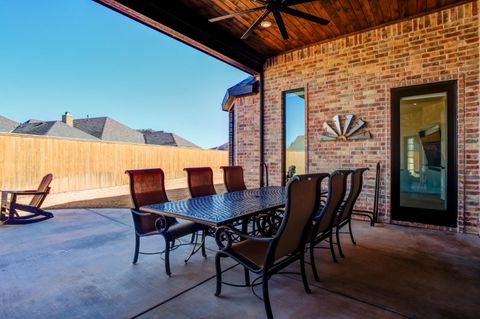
247, 137
354, 75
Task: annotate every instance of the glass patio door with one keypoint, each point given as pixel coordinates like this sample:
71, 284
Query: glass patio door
424, 182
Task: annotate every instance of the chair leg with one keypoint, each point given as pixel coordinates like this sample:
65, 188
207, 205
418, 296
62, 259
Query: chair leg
338, 243
304, 275
192, 240
204, 253
218, 269
247, 276
266, 297
332, 250
137, 248
312, 262
350, 230
167, 257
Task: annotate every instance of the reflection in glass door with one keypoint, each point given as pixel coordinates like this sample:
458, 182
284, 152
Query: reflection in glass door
423, 154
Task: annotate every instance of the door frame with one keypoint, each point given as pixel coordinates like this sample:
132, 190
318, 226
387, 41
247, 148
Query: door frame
420, 215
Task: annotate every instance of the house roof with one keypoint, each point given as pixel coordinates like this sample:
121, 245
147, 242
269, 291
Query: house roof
108, 129
166, 138
244, 87
298, 144
223, 147
51, 128
7, 125
188, 21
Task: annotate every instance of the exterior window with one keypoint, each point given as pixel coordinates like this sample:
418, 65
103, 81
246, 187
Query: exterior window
294, 130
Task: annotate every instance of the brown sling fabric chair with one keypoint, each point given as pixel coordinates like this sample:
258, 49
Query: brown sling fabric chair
344, 217
372, 214
268, 255
233, 178
200, 181
147, 186
324, 221
10, 206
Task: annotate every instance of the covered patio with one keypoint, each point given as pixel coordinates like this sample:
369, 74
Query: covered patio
78, 265
416, 262
389, 82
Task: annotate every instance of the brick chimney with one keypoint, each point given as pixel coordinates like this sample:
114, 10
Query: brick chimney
67, 118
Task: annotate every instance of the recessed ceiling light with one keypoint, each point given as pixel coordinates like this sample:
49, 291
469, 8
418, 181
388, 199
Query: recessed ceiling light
265, 24
414, 103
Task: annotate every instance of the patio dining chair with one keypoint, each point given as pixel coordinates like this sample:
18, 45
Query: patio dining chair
147, 186
233, 178
264, 173
267, 256
344, 217
324, 220
200, 181
372, 214
10, 206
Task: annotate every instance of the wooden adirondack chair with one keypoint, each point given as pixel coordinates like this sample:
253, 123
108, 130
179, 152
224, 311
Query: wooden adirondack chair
10, 206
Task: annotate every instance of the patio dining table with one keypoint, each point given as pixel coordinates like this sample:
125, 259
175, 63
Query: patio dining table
222, 209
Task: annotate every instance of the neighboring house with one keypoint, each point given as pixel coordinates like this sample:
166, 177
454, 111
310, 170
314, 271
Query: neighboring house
99, 128
298, 144
51, 128
223, 147
165, 138
7, 125
108, 129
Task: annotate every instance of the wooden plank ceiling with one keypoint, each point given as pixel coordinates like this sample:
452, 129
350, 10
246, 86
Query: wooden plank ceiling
222, 39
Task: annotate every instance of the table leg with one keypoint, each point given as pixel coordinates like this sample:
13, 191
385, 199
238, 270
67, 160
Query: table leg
245, 269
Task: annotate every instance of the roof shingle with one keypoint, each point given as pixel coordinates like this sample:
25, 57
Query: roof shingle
7, 125
108, 129
166, 138
51, 128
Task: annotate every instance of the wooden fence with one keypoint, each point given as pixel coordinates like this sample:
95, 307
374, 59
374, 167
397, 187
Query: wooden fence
82, 164
296, 158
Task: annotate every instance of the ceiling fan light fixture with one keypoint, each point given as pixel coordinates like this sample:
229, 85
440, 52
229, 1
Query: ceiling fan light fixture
266, 24
277, 8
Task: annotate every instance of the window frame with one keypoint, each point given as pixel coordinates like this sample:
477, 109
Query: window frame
284, 131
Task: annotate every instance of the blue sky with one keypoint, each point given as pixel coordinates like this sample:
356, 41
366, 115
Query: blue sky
78, 56
294, 117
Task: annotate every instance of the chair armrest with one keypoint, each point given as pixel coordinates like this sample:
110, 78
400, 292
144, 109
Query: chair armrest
161, 223
29, 192
362, 211
224, 237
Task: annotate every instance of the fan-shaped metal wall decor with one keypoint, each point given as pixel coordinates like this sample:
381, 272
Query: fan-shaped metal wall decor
348, 129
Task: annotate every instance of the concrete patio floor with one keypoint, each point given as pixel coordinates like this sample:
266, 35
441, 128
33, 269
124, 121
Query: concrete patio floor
78, 265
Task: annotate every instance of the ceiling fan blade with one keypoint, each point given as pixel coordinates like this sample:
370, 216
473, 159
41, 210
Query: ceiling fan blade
295, 2
229, 16
255, 24
304, 15
280, 24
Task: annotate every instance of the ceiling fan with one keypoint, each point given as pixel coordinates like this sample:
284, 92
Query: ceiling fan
276, 7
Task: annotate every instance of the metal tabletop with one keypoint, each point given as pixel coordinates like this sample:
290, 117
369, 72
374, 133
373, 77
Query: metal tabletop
221, 209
